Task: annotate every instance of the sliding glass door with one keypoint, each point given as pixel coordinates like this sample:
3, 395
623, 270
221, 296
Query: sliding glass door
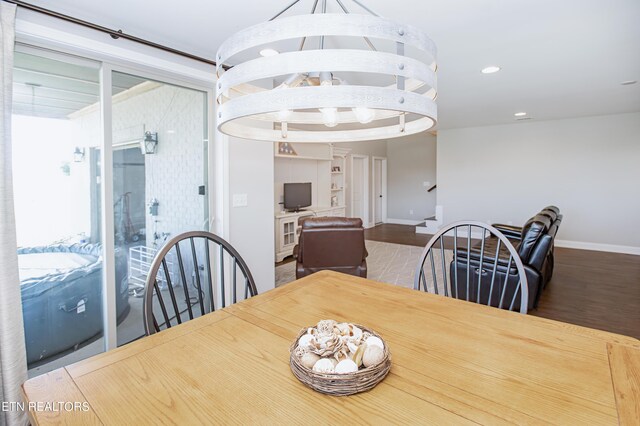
159, 184
57, 211
152, 135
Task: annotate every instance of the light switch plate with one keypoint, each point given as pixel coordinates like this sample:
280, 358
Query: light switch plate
239, 200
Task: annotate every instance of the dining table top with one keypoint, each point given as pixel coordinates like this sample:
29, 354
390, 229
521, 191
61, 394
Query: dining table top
453, 362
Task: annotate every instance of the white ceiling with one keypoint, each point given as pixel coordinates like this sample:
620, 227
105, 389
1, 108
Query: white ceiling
559, 58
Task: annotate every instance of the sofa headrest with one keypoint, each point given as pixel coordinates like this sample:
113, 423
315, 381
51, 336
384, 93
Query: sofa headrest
531, 233
329, 222
551, 214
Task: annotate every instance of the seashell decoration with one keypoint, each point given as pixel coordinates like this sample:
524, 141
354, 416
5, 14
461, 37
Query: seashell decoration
346, 366
373, 355
375, 341
309, 359
339, 348
324, 365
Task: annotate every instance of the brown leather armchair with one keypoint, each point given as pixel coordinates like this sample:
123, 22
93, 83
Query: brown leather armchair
335, 243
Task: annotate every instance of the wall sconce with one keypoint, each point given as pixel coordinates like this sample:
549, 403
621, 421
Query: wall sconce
149, 144
78, 155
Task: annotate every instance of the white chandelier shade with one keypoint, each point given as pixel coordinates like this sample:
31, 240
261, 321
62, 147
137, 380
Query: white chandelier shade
313, 103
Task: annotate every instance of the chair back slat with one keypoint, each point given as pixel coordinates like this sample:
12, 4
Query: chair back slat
506, 280
154, 297
185, 284
444, 268
233, 285
163, 308
468, 259
221, 285
515, 293
507, 287
433, 271
196, 268
480, 270
174, 301
455, 255
209, 274
495, 268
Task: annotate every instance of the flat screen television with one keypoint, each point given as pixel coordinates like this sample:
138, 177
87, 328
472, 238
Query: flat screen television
297, 196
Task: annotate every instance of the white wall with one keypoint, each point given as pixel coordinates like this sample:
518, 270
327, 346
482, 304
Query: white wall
174, 173
251, 228
589, 167
411, 161
293, 170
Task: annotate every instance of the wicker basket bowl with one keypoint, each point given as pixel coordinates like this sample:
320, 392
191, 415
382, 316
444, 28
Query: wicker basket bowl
341, 384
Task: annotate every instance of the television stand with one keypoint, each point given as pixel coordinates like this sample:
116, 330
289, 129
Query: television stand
287, 232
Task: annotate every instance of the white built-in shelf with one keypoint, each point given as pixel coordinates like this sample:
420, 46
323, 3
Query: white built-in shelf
301, 157
337, 173
336, 189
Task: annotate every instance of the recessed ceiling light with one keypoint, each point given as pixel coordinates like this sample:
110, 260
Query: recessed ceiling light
520, 114
269, 52
629, 82
490, 70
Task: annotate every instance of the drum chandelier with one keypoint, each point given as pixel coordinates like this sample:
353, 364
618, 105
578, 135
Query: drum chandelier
339, 77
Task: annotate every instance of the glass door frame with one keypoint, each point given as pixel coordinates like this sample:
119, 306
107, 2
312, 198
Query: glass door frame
216, 156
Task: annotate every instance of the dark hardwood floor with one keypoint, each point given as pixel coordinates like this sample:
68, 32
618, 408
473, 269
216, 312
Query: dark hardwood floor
589, 288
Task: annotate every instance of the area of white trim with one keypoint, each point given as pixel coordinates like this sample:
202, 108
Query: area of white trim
365, 181
109, 284
612, 248
384, 189
403, 221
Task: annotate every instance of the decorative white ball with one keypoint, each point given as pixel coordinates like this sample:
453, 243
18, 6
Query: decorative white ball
375, 341
324, 365
346, 366
373, 355
309, 359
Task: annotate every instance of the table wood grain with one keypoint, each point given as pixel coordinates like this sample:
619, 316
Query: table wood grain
453, 362
625, 373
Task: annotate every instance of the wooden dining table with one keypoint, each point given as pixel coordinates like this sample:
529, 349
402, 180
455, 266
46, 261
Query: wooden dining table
453, 362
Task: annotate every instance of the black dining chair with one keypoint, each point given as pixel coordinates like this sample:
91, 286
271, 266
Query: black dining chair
180, 283
474, 261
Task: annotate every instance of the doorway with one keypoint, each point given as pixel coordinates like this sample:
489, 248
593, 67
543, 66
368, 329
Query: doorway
379, 179
360, 188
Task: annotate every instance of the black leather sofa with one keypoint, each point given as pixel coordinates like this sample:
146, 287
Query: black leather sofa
534, 244
514, 234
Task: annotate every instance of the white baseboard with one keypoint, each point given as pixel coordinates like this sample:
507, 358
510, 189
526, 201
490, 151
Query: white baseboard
403, 221
597, 247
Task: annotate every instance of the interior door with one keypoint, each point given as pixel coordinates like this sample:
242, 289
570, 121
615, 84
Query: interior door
358, 188
378, 190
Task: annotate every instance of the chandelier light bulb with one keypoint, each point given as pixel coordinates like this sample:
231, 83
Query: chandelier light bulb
284, 114
364, 115
268, 52
330, 116
326, 79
